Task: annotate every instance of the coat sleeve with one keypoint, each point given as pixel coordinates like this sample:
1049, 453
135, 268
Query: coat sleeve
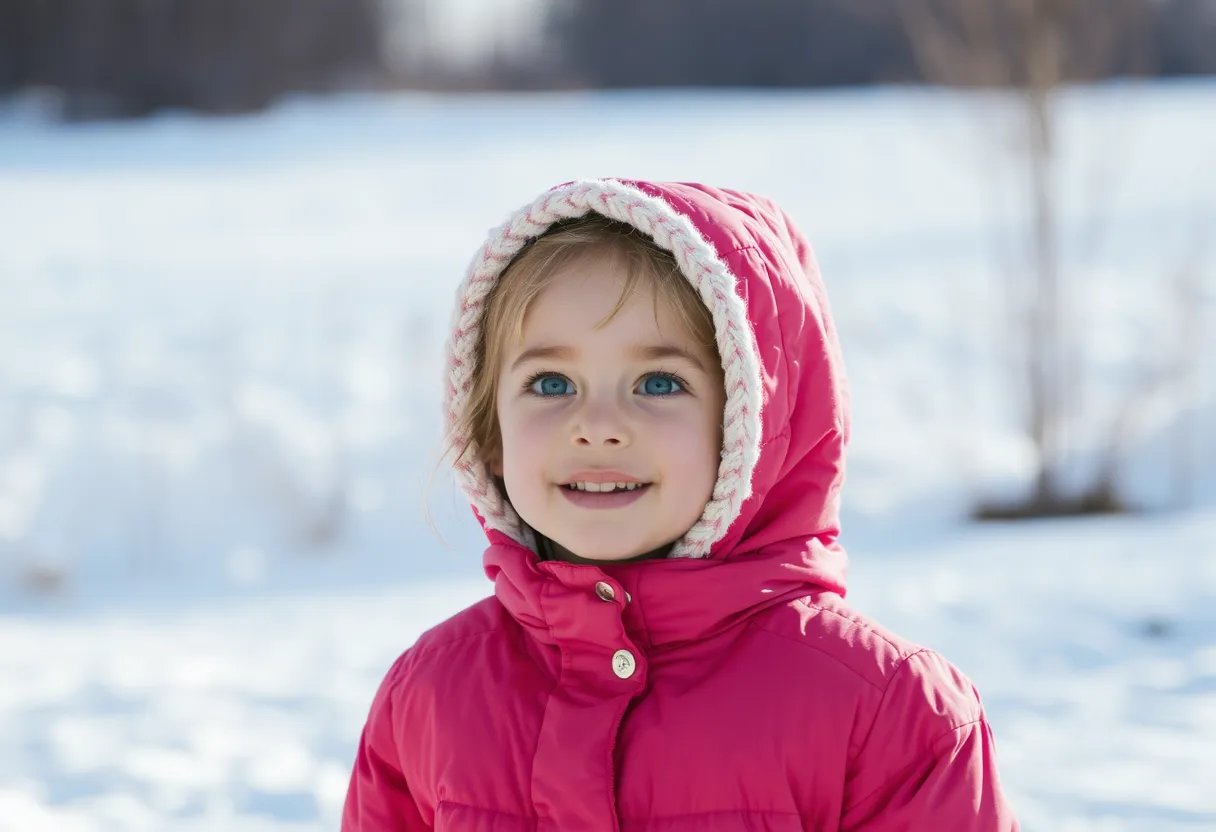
378, 799
928, 760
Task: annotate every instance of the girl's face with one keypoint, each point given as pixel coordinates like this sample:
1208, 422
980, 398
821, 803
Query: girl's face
610, 436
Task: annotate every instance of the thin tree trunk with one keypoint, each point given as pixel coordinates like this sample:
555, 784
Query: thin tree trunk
1045, 346
1042, 31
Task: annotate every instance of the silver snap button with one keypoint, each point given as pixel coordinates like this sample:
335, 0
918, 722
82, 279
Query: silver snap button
623, 664
604, 591
628, 598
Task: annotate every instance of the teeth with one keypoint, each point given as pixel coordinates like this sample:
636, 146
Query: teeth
601, 487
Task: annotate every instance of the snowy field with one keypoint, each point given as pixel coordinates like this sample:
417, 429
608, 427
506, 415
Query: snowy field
220, 348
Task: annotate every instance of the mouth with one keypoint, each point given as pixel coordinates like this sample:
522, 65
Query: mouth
604, 487
604, 495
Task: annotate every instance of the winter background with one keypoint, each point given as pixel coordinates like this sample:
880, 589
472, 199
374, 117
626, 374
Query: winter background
223, 511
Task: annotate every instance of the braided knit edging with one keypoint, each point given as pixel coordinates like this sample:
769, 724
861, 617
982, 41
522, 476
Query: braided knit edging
714, 283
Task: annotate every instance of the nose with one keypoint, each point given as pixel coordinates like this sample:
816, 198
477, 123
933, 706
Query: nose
600, 424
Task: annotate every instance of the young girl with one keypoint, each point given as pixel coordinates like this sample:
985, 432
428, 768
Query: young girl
649, 414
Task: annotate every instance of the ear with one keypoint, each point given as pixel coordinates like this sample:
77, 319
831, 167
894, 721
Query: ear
495, 465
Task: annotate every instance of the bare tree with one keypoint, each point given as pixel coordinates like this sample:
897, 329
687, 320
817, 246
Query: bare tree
1032, 48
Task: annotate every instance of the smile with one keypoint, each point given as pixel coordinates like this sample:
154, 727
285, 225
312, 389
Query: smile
604, 495
605, 487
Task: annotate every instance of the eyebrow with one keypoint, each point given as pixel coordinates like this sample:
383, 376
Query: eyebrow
660, 351
547, 351
653, 352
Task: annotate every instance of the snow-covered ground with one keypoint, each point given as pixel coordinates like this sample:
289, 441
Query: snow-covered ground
219, 394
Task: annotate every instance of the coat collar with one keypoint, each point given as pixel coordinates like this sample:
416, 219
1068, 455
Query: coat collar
661, 603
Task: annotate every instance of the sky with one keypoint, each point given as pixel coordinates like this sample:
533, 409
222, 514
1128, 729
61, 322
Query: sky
466, 30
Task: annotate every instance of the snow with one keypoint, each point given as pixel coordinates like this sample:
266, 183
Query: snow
220, 354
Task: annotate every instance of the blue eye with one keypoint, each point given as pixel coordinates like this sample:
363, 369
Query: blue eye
661, 384
551, 385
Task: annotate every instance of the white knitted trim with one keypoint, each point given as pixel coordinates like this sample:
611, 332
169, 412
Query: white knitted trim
714, 283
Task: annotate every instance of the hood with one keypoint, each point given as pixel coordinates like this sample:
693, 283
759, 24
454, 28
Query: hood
786, 417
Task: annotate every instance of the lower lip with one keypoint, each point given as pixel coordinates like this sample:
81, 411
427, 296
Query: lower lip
603, 499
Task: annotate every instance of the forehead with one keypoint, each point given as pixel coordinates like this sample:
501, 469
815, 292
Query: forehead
592, 295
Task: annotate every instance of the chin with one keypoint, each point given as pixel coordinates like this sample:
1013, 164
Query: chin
606, 554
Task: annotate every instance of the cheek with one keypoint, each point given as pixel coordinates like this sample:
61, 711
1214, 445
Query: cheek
693, 436
524, 434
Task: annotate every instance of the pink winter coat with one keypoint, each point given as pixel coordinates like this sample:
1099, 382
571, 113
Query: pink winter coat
727, 688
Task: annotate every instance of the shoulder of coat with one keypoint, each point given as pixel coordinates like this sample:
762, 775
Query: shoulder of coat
480, 620
830, 630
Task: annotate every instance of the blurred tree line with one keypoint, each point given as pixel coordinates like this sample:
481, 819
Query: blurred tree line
111, 58
761, 43
108, 58
795, 43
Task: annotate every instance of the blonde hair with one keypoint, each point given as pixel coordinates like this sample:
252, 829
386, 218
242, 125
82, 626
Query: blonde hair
528, 274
